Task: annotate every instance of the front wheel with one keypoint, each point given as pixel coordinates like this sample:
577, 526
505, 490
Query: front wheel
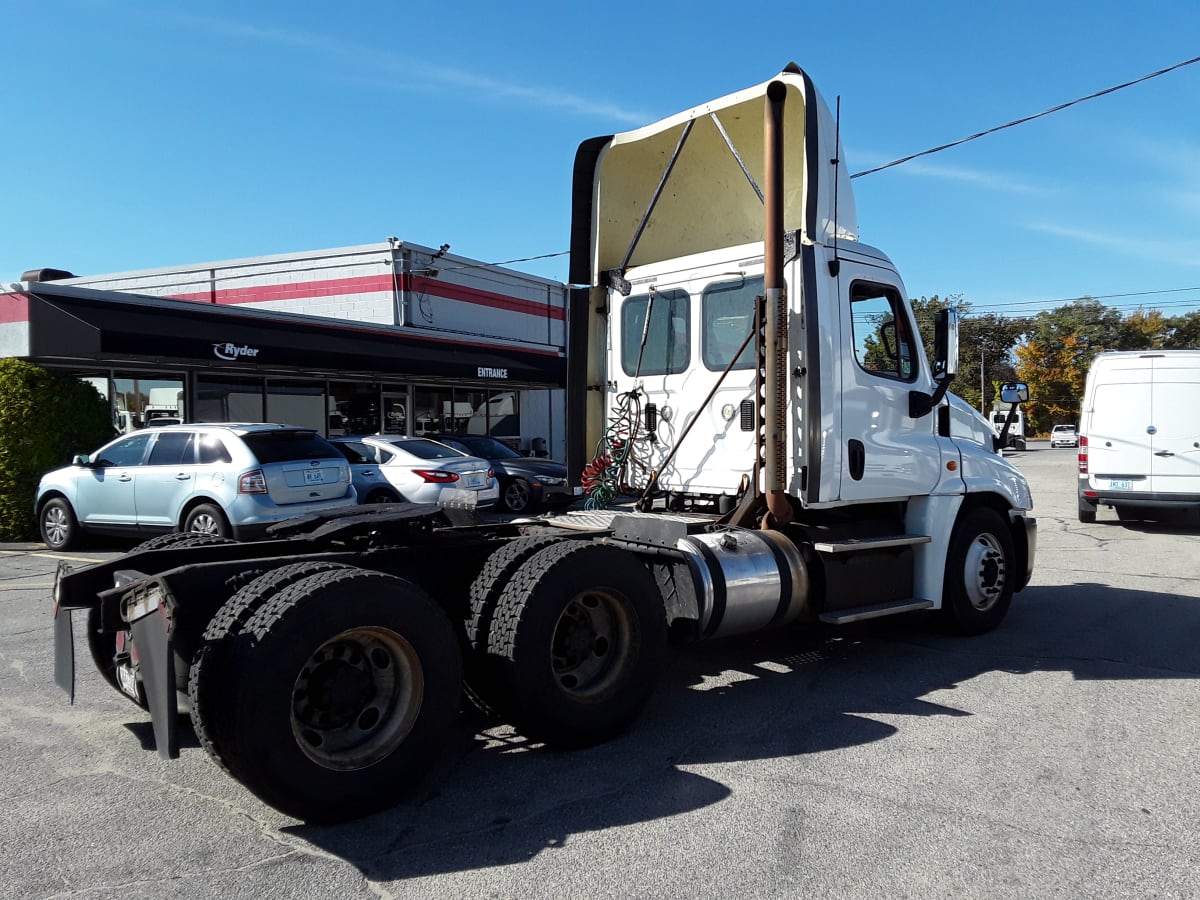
517, 495
981, 571
356, 678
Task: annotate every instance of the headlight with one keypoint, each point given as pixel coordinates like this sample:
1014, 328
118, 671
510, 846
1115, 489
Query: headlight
554, 481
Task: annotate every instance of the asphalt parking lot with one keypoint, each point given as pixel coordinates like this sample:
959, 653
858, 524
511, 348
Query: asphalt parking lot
1054, 757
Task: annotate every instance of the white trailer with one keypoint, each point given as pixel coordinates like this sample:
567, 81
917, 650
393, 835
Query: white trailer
772, 388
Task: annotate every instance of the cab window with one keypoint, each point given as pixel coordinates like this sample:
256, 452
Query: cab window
883, 336
727, 316
668, 338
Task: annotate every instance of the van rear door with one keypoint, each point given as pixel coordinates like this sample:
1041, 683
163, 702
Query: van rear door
1175, 420
1119, 448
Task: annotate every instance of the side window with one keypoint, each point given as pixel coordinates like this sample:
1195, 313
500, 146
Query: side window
883, 335
727, 316
128, 452
668, 339
213, 451
173, 448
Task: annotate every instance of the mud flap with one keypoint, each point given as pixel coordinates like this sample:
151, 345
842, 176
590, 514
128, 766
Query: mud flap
64, 653
156, 658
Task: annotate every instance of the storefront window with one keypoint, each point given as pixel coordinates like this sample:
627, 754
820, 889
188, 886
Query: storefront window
229, 400
466, 412
137, 398
353, 408
297, 403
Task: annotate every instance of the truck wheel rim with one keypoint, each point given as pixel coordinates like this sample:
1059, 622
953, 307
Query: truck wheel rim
984, 572
593, 644
356, 698
56, 525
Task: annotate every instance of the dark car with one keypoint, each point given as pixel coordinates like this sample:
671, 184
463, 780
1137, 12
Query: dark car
526, 483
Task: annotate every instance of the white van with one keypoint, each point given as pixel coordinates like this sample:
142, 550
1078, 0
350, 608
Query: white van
1139, 434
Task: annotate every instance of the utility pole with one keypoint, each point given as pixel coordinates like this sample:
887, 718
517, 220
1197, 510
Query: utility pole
982, 397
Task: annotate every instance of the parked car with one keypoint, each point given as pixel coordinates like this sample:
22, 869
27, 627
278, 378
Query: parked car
1064, 436
227, 480
392, 469
526, 483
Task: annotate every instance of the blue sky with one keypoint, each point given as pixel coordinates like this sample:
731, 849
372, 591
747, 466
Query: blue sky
143, 134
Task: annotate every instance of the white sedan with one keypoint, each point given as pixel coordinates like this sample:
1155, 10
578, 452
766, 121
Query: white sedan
388, 469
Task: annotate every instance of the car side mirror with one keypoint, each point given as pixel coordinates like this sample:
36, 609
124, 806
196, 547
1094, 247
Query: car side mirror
81, 459
1014, 392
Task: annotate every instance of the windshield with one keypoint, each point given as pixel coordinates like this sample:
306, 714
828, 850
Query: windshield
488, 448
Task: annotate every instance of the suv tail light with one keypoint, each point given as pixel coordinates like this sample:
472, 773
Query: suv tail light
437, 476
1083, 455
252, 483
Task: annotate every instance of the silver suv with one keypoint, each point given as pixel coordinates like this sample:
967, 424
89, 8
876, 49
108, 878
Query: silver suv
228, 480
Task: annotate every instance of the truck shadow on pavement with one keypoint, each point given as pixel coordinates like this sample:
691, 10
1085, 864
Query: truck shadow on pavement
499, 800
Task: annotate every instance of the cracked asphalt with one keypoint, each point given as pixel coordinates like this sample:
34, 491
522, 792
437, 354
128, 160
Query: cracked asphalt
1055, 757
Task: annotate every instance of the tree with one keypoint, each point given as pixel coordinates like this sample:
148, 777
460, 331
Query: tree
45, 417
984, 348
1183, 332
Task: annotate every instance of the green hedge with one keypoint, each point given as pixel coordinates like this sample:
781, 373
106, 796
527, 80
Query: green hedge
45, 418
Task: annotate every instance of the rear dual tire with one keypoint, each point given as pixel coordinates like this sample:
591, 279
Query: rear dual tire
342, 689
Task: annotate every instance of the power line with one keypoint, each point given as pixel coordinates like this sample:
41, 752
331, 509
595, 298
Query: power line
1023, 120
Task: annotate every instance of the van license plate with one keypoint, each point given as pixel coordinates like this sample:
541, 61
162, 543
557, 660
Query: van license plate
1119, 484
313, 476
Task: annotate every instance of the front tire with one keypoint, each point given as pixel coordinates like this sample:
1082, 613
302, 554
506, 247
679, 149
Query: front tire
516, 495
981, 571
354, 682
576, 643
58, 526
207, 518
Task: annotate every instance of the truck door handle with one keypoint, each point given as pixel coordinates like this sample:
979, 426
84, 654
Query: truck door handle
857, 454
1163, 453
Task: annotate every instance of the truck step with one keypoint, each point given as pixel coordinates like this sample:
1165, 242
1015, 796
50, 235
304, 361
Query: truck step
859, 613
853, 545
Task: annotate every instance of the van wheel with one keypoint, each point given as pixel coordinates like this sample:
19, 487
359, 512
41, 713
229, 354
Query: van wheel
58, 525
1087, 516
350, 683
980, 572
576, 643
206, 518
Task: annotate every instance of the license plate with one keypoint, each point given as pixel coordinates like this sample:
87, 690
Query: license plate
314, 476
1119, 484
474, 480
127, 680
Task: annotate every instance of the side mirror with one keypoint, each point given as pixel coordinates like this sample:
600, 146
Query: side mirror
945, 344
1014, 392
81, 459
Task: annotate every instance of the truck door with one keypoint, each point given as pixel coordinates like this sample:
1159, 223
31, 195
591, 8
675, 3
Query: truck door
675, 343
886, 454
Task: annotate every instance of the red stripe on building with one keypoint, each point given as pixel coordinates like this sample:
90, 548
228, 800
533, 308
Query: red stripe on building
14, 308
367, 284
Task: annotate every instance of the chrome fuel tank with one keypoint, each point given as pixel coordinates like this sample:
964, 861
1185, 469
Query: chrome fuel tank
745, 580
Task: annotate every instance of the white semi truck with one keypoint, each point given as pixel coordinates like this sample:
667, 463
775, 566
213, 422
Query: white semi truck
739, 360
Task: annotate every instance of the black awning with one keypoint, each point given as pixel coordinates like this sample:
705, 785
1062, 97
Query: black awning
74, 323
